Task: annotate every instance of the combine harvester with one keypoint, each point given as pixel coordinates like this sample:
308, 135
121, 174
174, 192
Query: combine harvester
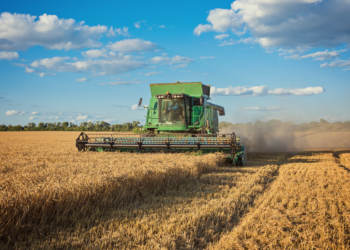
179, 119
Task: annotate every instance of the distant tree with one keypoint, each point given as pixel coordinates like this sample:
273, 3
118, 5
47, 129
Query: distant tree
322, 121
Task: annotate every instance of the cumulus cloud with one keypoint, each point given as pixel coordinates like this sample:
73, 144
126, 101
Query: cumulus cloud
38, 72
264, 91
82, 80
138, 24
153, 73
53, 117
202, 28
14, 112
221, 36
120, 106
136, 107
132, 45
337, 63
8, 55
207, 57
95, 53
82, 117
289, 24
120, 32
275, 108
114, 65
183, 65
34, 113
318, 56
248, 40
160, 60
21, 31
121, 82
173, 60
32, 118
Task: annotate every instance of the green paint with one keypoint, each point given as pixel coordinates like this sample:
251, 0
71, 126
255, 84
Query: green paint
194, 89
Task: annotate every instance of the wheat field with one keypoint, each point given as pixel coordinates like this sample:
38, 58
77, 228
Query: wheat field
54, 197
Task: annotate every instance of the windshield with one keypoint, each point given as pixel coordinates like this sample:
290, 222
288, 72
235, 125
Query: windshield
172, 112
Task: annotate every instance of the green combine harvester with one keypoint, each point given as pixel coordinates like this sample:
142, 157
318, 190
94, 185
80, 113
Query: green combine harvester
179, 119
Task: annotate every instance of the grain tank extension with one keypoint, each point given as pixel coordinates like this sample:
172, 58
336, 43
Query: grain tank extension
179, 118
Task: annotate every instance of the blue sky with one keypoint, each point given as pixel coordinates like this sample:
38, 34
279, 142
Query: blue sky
82, 61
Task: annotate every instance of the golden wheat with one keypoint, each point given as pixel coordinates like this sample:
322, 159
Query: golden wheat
54, 197
307, 207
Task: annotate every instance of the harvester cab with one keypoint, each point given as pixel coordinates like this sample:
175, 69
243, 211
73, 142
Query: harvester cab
182, 108
179, 118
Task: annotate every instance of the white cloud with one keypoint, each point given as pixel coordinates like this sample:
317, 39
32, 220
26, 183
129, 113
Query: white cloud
174, 60
138, 24
14, 112
121, 32
180, 59
161, 26
248, 40
160, 60
34, 113
337, 63
202, 28
221, 20
319, 56
288, 24
221, 36
263, 91
132, 45
52, 117
38, 72
21, 31
121, 82
207, 57
153, 73
136, 107
32, 118
82, 80
109, 120
8, 55
322, 55
275, 108
117, 64
183, 65
81, 117
95, 53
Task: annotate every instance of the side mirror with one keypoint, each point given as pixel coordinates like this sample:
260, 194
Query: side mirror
201, 101
140, 102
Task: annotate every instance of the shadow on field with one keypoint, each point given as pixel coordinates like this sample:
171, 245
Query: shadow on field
208, 185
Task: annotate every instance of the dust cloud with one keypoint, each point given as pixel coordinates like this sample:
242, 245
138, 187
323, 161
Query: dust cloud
269, 138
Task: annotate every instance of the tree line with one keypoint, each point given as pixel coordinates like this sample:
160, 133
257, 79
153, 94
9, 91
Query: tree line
70, 126
135, 126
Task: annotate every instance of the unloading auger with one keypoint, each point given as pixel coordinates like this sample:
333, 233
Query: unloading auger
179, 119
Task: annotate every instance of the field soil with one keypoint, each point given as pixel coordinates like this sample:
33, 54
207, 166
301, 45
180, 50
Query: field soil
54, 197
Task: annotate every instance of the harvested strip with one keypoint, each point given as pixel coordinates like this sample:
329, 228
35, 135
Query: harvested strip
308, 206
